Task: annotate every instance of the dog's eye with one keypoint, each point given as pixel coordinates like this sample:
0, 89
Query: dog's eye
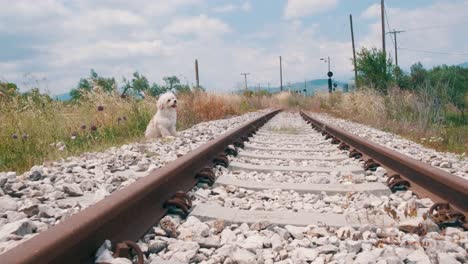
169, 100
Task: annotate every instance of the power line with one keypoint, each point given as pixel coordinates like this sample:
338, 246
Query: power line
433, 27
435, 52
388, 24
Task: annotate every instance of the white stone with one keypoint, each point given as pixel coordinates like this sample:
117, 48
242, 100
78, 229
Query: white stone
7, 204
47, 211
121, 261
304, 254
178, 245
445, 258
446, 165
276, 243
353, 246
72, 190
283, 233
252, 243
327, 249
296, 231
14, 216
227, 237
19, 228
242, 256
366, 257
418, 256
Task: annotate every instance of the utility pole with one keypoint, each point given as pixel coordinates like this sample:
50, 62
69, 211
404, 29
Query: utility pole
281, 76
196, 73
394, 32
245, 76
354, 49
329, 74
382, 14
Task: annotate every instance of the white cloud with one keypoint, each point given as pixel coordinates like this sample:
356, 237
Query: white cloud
228, 8
300, 8
246, 6
372, 11
150, 8
198, 25
118, 37
225, 8
62, 55
435, 38
27, 9
102, 19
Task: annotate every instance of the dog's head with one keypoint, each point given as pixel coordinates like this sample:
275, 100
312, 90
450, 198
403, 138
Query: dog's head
167, 101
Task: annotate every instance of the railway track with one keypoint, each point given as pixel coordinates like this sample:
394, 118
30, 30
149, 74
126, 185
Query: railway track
283, 188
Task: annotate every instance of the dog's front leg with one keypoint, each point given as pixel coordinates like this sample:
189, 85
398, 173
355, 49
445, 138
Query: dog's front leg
173, 131
164, 131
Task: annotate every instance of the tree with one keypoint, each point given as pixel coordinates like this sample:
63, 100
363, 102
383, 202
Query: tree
373, 70
172, 82
90, 83
451, 85
401, 79
418, 75
156, 90
138, 85
8, 90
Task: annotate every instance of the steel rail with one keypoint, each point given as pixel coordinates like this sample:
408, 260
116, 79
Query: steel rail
425, 180
126, 214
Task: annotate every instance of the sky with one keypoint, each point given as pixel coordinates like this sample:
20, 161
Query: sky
54, 43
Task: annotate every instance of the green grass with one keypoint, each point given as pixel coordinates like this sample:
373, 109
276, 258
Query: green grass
408, 114
45, 122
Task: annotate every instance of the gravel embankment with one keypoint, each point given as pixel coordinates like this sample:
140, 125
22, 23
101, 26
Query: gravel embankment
452, 163
211, 242
45, 195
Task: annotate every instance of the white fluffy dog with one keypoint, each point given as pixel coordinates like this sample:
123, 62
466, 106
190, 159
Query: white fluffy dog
163, 123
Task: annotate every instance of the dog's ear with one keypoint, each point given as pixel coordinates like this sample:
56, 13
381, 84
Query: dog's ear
160, 104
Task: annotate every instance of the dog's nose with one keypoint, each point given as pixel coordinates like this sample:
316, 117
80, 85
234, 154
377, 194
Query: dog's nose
175, 101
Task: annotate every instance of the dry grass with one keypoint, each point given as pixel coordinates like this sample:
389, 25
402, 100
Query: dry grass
414, 116
36, 129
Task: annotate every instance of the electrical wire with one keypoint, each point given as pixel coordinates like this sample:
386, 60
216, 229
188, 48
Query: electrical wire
435, 52
434, 27
388, 24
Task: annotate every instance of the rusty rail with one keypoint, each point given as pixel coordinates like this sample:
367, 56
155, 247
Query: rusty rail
423, 179
128, 213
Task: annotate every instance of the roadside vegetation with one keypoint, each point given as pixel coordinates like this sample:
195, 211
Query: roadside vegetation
35, 128
428, 106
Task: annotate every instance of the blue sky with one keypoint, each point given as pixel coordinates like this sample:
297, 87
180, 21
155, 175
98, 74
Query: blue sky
53, 43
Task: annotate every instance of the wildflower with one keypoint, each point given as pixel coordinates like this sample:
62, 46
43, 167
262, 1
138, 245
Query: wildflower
124, 118
93, 128
83, 126
73, 135
14, 136
25, 136
100, 108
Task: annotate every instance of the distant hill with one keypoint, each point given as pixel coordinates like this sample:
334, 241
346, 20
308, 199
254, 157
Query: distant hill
310, 86
464, 65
